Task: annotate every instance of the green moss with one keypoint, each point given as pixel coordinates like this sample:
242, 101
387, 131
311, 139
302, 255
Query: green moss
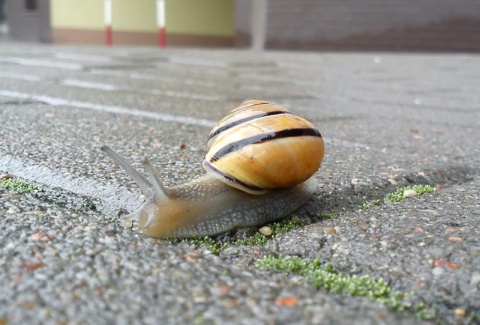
368, 204
332, 215
111, 219
89, 204
397, 196
217, 245
326, 278
258, 239
426, 314
277, 228
473, 318
59, 198
18, 186
209, 243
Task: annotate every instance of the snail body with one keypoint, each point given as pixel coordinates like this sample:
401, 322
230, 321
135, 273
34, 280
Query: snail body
227, 197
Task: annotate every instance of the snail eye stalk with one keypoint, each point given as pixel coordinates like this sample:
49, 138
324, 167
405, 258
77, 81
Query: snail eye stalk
160, 193
138, 178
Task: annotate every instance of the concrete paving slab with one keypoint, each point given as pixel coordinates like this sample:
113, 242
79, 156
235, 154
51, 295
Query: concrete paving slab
389, 120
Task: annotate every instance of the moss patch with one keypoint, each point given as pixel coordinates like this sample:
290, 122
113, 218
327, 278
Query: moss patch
216, 245
277, 228
281, 227
213, 245
58, 197
332, 215
397, 196
367, 205
88, 204
18, 186
326, 278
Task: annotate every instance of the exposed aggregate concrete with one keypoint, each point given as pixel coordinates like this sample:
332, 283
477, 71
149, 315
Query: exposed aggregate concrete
388, 121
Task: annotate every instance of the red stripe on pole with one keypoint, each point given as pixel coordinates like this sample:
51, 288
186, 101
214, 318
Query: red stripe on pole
162, 37
108, 35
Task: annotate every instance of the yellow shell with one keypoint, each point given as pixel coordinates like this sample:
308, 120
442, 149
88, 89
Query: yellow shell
260, 146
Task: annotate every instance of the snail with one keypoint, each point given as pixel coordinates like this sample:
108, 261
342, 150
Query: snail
259, 167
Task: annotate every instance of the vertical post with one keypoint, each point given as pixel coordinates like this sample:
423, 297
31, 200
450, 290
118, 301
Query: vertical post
259, 24
162, 36
107, 18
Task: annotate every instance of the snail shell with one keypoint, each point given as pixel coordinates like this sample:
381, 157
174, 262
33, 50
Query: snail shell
259, 146
259, 167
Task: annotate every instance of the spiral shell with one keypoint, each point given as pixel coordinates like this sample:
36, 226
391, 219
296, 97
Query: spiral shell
260, 146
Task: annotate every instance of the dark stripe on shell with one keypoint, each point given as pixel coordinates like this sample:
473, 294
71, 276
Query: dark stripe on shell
231, 179
244, 120
234, 146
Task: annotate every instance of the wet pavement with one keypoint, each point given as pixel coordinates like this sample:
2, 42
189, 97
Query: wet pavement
388, 120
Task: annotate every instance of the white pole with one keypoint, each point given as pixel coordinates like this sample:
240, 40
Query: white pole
259, 24
107, 18
162, 36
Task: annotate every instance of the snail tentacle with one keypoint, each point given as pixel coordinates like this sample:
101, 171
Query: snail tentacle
138, 178
159, 190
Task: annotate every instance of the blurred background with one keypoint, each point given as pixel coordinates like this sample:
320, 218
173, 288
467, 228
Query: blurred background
392, 25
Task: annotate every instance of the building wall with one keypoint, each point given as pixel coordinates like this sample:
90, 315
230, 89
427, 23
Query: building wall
85, 14
200, 22
134, 16
189, 22
201, 17
368, 24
